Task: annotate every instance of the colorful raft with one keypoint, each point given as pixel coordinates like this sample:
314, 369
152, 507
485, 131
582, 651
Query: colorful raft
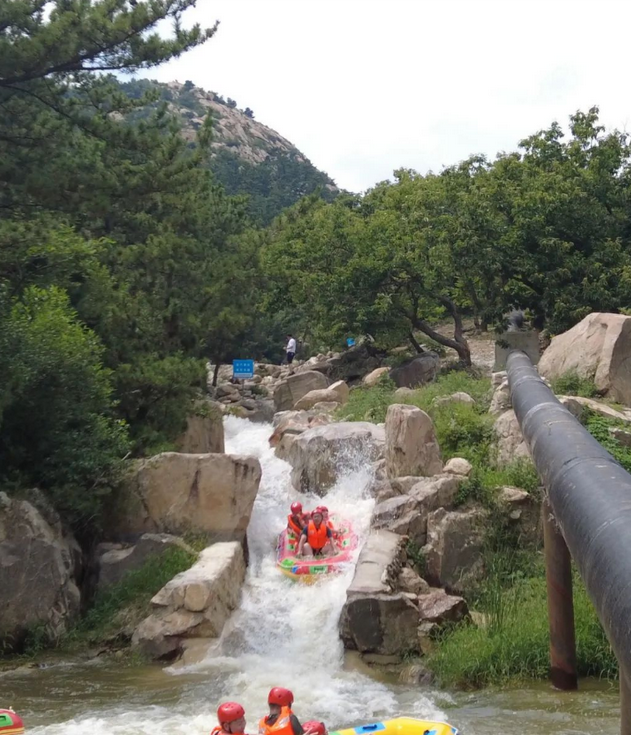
309, 570
401, 726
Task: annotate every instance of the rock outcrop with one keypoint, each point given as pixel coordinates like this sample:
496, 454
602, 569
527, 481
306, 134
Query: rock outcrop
375, 619
37, 573
352, 364
453, 553
407, 514
204, 433
317, 455
371, 380
195, 603
114, 561
289, 391
576, 404
174, 493
597, 348
436, 606
417, 371
411, 444
510, 442
523, 513
290, 424
457, 397
337, 393
458, 466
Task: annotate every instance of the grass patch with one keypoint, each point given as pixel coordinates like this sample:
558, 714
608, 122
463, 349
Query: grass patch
571, 384
598, 426
485, 479
368, 404
119, 609
371, 404
513, 644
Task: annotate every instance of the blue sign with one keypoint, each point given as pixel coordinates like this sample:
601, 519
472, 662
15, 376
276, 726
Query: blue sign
243, 369
350, 341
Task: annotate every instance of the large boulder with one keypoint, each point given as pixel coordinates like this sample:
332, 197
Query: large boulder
523, 513
352, 364
373, 378
174, 493
436, 606
596, 348
576, 405
374, 618
407, 514
510, 443
411, 445
317, 455
417, 371
195, 603
453, 553
204, 432
289, 391
290, 424
37, 573
114, 561
501, 400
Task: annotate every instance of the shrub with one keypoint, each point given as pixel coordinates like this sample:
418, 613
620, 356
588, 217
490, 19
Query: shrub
462, 431
123, 605
572, 384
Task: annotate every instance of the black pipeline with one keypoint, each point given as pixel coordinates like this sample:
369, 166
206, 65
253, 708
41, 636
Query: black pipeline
589, 494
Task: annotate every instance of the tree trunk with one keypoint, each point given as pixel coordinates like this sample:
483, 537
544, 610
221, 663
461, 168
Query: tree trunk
458, 343
415, 344
216, 372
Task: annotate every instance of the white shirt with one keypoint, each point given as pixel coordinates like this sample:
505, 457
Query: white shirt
291, 345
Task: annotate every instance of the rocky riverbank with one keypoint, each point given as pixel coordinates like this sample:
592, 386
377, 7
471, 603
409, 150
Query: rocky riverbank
455, 497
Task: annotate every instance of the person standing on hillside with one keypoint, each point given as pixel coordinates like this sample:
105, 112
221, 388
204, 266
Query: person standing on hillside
290, 349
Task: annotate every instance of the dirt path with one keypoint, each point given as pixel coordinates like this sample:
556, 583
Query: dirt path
482, 345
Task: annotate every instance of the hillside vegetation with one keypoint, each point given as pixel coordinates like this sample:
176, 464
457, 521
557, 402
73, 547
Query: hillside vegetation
245, 156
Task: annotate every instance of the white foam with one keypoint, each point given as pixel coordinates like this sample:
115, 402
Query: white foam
284, 633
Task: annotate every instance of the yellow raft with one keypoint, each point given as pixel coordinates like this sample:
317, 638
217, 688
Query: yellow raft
401, 726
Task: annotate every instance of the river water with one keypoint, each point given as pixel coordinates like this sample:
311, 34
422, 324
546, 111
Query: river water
283, 634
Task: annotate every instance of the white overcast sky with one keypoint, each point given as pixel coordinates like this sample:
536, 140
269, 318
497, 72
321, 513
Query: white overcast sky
364, 87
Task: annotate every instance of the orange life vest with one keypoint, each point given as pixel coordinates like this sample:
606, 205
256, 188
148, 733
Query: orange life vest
317, 537
282, 726
217, 730
293, 526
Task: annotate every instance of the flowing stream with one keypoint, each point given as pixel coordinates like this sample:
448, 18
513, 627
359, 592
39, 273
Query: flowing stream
283, 634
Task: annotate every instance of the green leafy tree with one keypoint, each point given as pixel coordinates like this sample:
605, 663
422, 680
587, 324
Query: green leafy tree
58, 430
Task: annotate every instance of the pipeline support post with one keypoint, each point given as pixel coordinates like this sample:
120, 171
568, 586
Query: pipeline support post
625, 704
560, 604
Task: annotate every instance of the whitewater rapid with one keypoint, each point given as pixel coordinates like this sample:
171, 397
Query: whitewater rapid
283, 634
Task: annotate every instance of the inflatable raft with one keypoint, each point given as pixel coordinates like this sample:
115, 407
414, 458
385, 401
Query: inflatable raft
401, 726
310, 570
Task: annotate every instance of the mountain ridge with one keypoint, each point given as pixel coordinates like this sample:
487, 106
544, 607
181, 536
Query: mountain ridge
247, 156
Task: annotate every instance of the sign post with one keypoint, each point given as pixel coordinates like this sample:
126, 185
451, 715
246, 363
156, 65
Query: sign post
242, 369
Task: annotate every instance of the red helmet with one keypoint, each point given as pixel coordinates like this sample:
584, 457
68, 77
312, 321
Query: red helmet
323, 508
312, 726
10, 722
280, 696
229, 712
296, 508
